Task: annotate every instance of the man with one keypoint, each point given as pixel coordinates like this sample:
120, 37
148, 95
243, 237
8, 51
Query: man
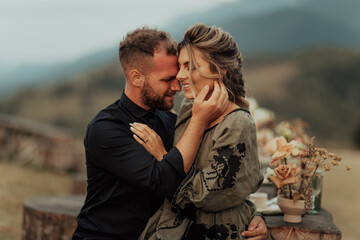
126, 185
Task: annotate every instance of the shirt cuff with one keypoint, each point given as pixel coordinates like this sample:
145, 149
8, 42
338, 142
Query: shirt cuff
174, 158
260, 215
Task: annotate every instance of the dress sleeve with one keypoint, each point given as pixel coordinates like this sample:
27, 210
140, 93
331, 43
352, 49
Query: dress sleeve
233, 169
111, 146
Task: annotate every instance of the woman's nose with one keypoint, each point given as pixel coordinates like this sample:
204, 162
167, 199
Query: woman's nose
181, 75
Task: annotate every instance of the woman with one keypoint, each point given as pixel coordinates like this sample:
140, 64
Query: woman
211, 202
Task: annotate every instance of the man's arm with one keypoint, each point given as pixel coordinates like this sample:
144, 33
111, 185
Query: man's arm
110, 146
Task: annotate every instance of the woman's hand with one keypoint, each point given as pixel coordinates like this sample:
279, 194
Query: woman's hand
209, 110
257, 229
149, 139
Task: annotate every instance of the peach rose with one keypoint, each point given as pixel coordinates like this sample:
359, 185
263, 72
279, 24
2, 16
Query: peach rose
285, 175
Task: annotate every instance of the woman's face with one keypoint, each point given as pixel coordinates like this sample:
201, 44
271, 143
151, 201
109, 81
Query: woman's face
198, 81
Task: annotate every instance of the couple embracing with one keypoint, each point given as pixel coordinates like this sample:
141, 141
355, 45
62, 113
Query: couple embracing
154, 175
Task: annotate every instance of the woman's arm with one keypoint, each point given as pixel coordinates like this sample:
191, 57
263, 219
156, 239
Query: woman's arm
233, 170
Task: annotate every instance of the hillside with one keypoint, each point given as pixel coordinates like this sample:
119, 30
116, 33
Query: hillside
319, 86
70, 103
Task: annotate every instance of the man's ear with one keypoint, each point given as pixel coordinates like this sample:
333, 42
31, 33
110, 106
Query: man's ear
136, 78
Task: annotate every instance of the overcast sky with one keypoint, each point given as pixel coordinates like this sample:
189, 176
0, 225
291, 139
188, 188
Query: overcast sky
44, 31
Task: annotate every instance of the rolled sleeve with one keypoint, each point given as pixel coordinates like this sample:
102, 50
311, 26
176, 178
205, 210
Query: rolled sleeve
174, 158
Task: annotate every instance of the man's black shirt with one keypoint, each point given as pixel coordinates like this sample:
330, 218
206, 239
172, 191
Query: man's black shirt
126, 185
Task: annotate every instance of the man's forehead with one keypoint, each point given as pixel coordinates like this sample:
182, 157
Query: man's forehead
164, 60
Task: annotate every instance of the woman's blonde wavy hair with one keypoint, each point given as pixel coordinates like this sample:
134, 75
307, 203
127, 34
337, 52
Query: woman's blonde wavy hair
220, 49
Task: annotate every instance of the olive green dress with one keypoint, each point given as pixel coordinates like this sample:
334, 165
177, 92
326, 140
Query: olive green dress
211, 202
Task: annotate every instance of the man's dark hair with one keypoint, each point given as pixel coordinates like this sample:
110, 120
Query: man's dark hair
137, 48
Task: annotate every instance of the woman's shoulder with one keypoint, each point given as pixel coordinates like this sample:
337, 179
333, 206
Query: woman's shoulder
185, 111
239, 120
237, 117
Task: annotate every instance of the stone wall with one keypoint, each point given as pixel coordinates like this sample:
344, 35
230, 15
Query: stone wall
31, 142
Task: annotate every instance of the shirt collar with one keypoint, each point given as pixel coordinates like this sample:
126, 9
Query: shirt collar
134, 108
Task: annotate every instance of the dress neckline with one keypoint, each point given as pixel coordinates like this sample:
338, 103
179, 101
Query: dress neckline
235, 110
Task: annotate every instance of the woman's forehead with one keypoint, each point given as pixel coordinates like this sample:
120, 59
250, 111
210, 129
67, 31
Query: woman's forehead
184, 55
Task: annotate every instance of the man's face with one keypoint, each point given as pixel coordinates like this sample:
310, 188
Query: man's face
161, 84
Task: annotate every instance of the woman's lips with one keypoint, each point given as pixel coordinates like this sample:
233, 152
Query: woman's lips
186, 86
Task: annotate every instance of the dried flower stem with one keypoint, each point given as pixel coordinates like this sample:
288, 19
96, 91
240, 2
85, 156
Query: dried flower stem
303, 169
312, 177
289, 185
283, 191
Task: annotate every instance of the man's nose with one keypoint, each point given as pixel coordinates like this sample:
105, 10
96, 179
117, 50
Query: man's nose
175, 85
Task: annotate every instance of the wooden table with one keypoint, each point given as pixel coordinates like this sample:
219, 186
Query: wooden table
317, 226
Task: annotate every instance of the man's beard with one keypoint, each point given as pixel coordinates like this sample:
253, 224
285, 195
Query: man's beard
150, 99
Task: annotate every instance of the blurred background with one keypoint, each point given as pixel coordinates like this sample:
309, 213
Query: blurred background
59, 67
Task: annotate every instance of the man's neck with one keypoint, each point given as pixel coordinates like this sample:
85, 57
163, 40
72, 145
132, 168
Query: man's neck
135, 97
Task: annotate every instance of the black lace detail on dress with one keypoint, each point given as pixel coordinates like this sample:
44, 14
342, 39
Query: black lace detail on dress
189, 212
224, 170
216, 232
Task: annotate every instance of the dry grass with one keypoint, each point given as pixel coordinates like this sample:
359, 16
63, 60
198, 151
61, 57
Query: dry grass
341, 196
18, 183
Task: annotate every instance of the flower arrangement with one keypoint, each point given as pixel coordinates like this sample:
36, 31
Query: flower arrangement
297, 161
